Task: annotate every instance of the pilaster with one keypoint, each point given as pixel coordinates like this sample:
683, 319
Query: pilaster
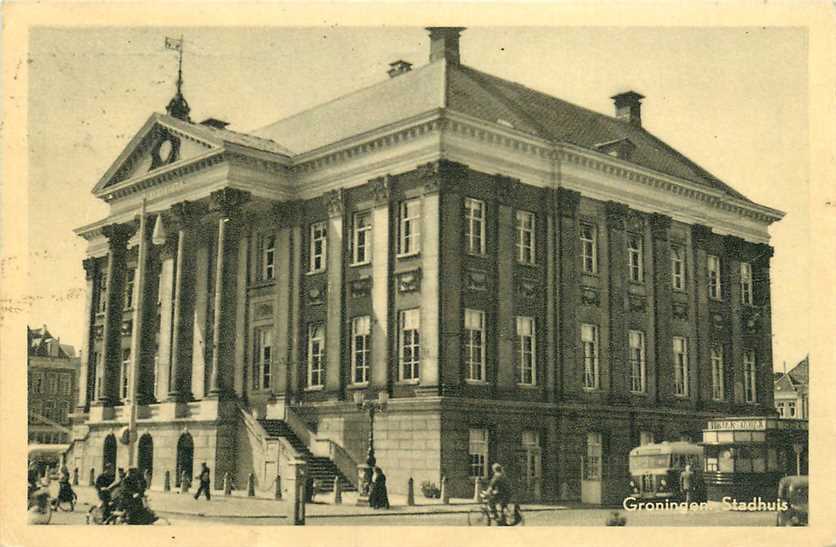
616, 367
86, 376
660, 368
430, 270
379, 379
333, 330
569, 376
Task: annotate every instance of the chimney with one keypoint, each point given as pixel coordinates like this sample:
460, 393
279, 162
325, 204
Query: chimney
444, 44
214, 122
399, 67
628, 107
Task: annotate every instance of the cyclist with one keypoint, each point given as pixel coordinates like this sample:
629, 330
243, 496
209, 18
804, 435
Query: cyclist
499, 493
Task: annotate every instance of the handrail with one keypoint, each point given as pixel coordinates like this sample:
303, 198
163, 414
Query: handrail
299, 428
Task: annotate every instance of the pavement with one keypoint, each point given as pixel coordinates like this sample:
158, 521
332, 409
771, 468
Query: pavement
239, 506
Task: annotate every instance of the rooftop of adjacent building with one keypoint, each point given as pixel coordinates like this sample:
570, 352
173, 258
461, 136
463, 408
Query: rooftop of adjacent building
794, 379
445, 84
42, 343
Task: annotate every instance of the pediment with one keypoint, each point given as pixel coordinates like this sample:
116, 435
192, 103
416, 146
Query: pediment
159, 143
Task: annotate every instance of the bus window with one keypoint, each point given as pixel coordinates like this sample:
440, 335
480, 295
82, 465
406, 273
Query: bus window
726, 463
758, 462
743, 461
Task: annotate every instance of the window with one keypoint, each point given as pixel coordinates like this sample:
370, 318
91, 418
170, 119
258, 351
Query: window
478, 450
589, 248
790, 409
527, 351
129, 288
36, 410
589, 342
474, 344
319, 246
263, 358
63, 412
409, 348
680, 366
360, 334
594, 452
715, 289
678, 268
637, 362
718, 390
38, 382
525, 237
102, 296
750, 376
49, 410
97, 371
361, 239
635, 258
316, 355
646, 437
52, 383
126, 365
266, 257
746, 283
474, 216
66, 381
409, 233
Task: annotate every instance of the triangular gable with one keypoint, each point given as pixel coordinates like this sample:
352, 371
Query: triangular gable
157, 144
784, 384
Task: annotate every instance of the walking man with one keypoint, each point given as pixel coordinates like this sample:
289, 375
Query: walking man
204, 483
685, 484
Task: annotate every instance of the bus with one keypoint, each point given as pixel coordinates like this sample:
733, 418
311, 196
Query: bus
655, 470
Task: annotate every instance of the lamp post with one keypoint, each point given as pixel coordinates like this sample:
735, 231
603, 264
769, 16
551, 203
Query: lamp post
370, 406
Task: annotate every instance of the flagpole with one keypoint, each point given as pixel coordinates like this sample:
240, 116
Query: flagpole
136, 334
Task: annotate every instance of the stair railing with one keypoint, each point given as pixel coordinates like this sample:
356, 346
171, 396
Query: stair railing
322, 446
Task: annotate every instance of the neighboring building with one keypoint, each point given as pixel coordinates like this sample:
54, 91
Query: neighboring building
53, 391
792, 394
528, 281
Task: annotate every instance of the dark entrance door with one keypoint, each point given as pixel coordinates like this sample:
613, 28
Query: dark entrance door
109, 451
185, 457
145, 456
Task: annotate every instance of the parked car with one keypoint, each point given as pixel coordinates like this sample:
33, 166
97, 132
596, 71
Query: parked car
793, 495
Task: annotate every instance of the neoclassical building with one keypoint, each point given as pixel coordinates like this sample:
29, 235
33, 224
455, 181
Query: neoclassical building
521, 279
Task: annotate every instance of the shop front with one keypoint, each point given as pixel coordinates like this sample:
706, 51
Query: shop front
746, 457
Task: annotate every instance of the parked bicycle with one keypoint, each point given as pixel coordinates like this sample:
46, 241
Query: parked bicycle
486, 515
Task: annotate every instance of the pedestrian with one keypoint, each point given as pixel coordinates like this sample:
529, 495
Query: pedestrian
685, 484
378, 497
103, 483
204, 482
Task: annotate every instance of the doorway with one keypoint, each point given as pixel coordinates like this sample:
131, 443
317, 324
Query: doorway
109, 452
185, 458
145, 456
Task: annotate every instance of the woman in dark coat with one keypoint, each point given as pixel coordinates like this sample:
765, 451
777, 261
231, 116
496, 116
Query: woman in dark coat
378, 498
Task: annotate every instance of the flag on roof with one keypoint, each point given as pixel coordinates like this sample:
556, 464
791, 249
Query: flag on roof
173, 43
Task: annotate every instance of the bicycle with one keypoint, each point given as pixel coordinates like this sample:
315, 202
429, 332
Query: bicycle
485, 515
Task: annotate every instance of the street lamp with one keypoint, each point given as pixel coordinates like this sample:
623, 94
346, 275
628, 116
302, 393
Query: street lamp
371, 406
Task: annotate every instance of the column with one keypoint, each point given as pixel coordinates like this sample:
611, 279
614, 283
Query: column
505, 252
241, 335
551, 335
700, 344
568, 377
228, 201
660, 368
144, 318
165, 303
615, 366
86, 376
117, 235
200, 320
735, 252
380, 284
285, 215
295, 322
763, 302
185, 215
430, 237
336, 258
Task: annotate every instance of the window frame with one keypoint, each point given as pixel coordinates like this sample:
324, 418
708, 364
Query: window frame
65, 384
635, 254
526, 252
640, 362
591, 366
413, 341
124, 380
316, 339
750, 377
364, 352
266, 257
592, 243
101, 305
718, 371
129, 290
678, 279
714, 267
746, 284
523, 351
681, 367
366, 231
409, 244
472, 221
318, 233
262, 369
474, 349
478, 448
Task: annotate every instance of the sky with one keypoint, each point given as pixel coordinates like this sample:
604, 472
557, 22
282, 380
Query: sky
734, 100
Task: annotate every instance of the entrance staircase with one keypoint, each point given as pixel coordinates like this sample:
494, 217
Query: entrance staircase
321, 469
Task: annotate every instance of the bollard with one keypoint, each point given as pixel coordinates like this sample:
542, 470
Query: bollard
167, 481
476, 489
184, 482
410, 492
92, 477
277, 495
296, 489
75, 476
338, 491
251, 485
227, 484
445, 491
